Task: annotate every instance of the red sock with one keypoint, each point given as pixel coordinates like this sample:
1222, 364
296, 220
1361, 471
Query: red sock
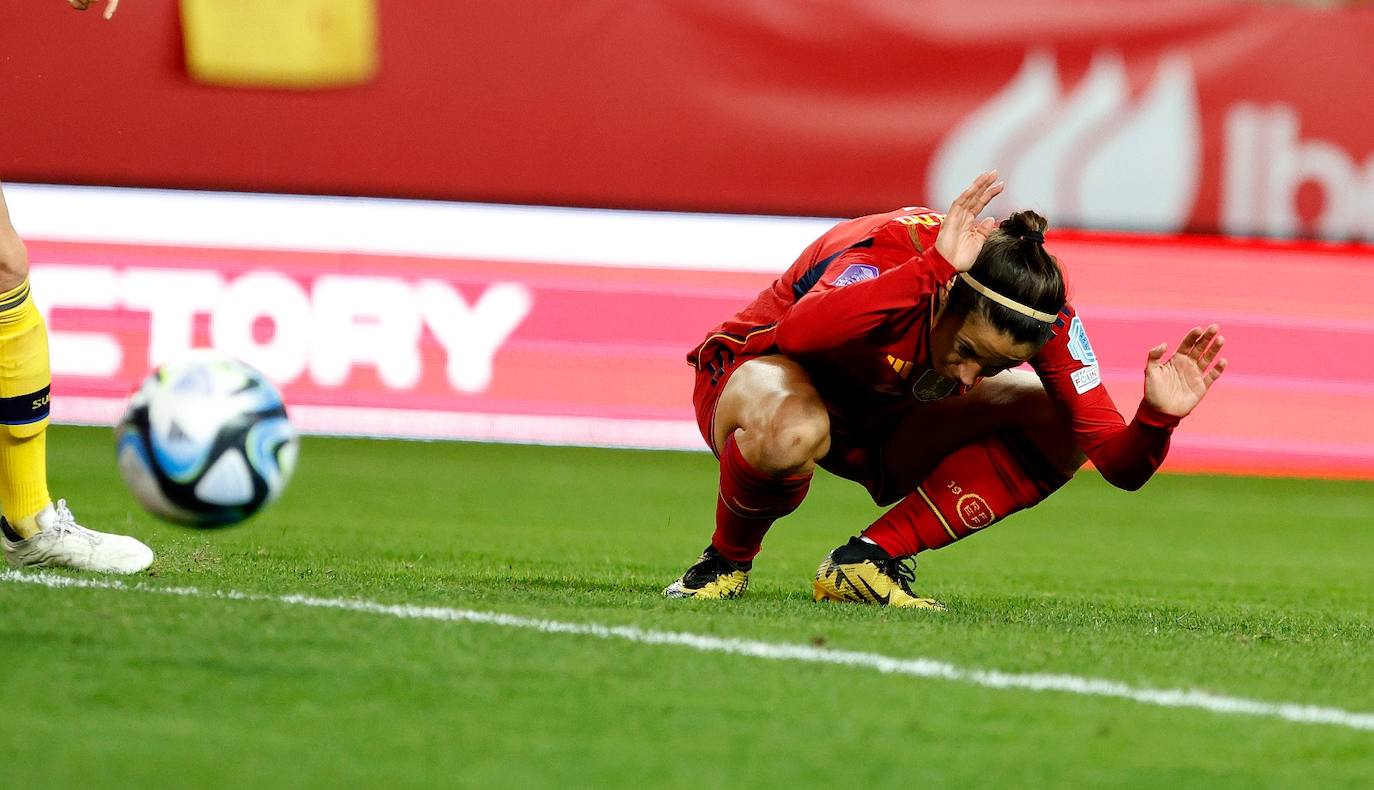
976, 485
749, 502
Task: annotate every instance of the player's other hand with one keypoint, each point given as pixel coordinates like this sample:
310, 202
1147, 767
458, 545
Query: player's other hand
962, 234
82, 5
1177, 386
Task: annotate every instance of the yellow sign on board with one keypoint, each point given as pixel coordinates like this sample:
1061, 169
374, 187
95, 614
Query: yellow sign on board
280, 43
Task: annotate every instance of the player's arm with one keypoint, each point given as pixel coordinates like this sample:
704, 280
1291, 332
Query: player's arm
861, 291
859, 295
1128, 454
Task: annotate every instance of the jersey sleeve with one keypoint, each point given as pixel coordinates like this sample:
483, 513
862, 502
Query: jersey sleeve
859, 294
1126, 454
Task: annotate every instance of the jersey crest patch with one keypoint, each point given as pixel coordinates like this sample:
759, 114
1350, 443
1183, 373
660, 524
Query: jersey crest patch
1079, 346
933, 386
1088, 376
856, 273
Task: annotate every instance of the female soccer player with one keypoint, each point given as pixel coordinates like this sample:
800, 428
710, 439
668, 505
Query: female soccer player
885, 355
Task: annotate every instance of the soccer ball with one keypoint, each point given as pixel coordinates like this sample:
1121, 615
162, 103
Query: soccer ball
205, 441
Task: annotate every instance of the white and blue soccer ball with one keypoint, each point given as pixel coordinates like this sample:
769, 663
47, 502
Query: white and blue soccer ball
205, 441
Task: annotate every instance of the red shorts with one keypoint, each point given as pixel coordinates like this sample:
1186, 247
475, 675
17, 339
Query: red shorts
717, 360
850, 456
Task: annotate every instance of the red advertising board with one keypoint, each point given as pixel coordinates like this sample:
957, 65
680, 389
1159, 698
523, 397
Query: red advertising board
1241, 118
575, 330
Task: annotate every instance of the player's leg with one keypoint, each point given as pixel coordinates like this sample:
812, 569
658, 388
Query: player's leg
965, 463
960, 465
34, 530
24, 380
768, 427
1012, 402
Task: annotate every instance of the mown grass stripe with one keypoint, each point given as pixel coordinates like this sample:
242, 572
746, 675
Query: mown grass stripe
913, 667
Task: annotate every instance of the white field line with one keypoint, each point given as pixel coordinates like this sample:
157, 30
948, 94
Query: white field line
912, 667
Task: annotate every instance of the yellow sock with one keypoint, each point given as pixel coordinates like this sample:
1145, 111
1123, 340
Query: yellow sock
24, 383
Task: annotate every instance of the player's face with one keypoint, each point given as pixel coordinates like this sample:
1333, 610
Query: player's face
968, 349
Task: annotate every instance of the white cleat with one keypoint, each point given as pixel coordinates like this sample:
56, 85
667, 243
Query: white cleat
63, 543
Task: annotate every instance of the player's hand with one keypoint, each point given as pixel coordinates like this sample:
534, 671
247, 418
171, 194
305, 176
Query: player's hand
1178, 385
962, 234
82, 5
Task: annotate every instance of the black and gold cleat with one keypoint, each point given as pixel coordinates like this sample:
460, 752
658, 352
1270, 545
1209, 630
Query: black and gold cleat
861, 572
713, 576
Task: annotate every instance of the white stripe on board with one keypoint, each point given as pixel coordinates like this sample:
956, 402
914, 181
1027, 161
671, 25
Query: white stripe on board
913, 667
487, 231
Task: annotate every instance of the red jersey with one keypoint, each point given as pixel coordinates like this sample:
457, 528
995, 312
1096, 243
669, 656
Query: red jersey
856, 310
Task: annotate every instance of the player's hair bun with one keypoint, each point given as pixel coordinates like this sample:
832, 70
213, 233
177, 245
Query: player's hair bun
1015, 263
1025, 226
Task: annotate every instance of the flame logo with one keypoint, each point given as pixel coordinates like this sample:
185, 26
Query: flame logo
1090, 157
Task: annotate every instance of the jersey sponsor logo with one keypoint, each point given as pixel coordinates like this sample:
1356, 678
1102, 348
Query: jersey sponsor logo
933, 386
856, 273
1086, 378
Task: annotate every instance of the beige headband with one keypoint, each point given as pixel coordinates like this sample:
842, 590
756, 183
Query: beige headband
1010, 304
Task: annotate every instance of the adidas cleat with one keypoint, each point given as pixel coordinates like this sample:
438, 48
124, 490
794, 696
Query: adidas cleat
713, 576
862, 572
61, 542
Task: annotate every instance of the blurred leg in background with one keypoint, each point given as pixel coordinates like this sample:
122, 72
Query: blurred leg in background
36, 531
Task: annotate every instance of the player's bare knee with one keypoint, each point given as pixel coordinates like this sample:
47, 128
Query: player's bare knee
797, 435
786, 434
778, 420
1022, 390
798, 446
1017, 400
14, 262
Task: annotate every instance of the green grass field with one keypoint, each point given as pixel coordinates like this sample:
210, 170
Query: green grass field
1262, 589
